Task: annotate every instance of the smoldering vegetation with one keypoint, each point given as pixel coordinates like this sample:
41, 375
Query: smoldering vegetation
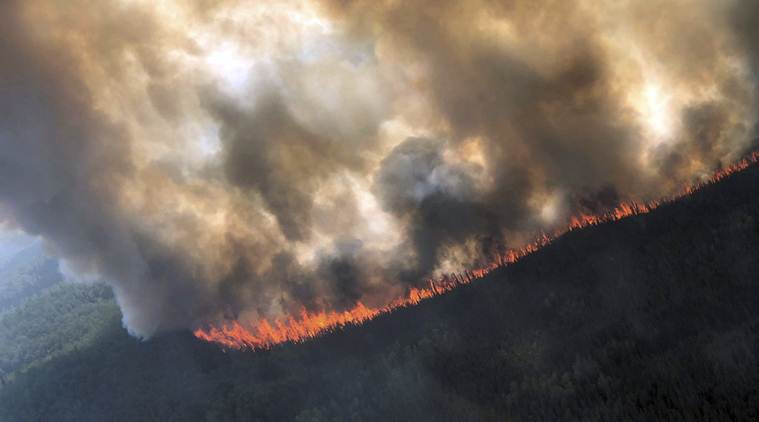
222, 160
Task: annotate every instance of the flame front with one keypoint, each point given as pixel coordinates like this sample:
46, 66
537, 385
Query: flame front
265, 334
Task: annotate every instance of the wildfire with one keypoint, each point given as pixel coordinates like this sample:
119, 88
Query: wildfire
307, 325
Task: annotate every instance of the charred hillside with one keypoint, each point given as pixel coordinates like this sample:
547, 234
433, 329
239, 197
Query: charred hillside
652, 317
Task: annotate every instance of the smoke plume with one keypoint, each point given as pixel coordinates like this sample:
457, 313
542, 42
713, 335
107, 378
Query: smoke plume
243, 160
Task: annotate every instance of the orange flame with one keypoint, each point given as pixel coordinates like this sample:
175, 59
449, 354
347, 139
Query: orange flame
308, 325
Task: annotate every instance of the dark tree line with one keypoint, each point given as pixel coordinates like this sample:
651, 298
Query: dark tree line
652, 318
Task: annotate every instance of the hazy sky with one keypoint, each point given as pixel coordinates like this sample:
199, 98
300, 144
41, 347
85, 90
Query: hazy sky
12, 242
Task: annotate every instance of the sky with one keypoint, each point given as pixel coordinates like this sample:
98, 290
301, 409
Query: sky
12, 242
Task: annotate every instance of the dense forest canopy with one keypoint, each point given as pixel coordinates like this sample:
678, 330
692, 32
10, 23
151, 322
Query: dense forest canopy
654, 317
328, 210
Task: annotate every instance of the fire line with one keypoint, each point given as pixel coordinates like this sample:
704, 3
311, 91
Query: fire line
307, 325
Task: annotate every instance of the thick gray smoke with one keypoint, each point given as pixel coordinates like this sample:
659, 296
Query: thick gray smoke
216, 160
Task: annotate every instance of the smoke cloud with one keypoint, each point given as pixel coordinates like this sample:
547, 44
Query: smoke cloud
216, 160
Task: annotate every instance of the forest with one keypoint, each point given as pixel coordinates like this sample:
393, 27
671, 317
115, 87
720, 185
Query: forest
655, 317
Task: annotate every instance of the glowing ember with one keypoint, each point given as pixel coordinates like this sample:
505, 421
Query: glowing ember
265, 334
